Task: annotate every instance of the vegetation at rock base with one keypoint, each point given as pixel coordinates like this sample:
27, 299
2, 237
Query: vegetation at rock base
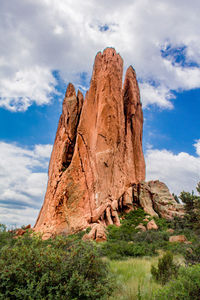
166, 269
130, 265
185, 287
55, 269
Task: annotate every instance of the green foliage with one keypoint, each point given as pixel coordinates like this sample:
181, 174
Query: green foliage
192, 208
166, 269
133, 278
123, 249
2, 228
185, 287
177, 223
157, 238
126, 231
6, 237
55, 269
192, 255
162, 223
175, 198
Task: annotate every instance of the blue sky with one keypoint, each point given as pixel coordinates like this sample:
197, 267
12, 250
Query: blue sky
39, 58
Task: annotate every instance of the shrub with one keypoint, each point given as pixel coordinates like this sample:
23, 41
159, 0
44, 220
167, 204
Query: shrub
123, 249
6, 237
152, 236
126, 231
53, 269
192, 255
185, 287
166, 269
162, 223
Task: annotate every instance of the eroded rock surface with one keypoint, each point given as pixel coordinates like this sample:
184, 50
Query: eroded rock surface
156, 200
97, 152
97, 163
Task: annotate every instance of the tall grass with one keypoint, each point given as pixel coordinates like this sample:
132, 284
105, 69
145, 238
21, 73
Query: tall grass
134, 279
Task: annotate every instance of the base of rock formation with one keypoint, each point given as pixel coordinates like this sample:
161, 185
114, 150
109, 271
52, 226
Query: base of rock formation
153, 196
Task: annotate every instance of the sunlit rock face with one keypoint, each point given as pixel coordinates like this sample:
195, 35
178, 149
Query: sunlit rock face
97, 158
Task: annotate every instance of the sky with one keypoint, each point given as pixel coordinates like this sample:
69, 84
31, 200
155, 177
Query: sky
46, 44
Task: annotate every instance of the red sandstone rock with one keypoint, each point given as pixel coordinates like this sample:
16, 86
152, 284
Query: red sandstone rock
141, 227
97, 233
177, 239
20, 232
27, 227
152, 225
97, 164
155, 198
95, 159
145, 220
170, 230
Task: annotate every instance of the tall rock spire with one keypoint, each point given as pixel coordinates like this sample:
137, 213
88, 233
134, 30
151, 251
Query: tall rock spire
97, 154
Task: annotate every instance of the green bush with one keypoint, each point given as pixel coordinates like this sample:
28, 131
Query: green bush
166, 269
123, 249
152, 236
126, 231
6, 237
54, 269
192, 255
185, 287
162, 223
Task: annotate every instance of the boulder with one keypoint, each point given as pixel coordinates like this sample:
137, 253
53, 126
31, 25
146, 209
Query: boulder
20, 232
152, 225
170, 230
141, 227
156, 200
97, 232
177, 239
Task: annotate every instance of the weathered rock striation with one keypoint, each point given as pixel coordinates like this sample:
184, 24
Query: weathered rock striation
97, 167
156, 200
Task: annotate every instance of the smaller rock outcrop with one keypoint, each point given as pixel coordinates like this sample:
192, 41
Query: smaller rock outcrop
170, 230
21, 231
97, 233
141, 227
156, 200
152, 225
178, 239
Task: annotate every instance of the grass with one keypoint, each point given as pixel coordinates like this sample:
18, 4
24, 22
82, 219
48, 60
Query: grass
134, 279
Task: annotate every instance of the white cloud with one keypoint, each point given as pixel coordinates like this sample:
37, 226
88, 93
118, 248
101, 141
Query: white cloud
197, 146
37, 37
179, 171
27, 86
155, 95
23, 178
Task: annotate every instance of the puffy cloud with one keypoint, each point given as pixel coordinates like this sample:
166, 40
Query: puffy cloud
23, 178
31, 48
197, 146
179, 171
155, 95
26, 86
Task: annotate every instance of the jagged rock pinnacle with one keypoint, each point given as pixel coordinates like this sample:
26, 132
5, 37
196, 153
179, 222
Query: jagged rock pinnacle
97, 155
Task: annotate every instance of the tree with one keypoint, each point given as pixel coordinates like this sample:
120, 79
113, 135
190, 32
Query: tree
192, 207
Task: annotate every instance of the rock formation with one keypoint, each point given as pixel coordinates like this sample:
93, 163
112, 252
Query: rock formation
97, 165
154, 197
